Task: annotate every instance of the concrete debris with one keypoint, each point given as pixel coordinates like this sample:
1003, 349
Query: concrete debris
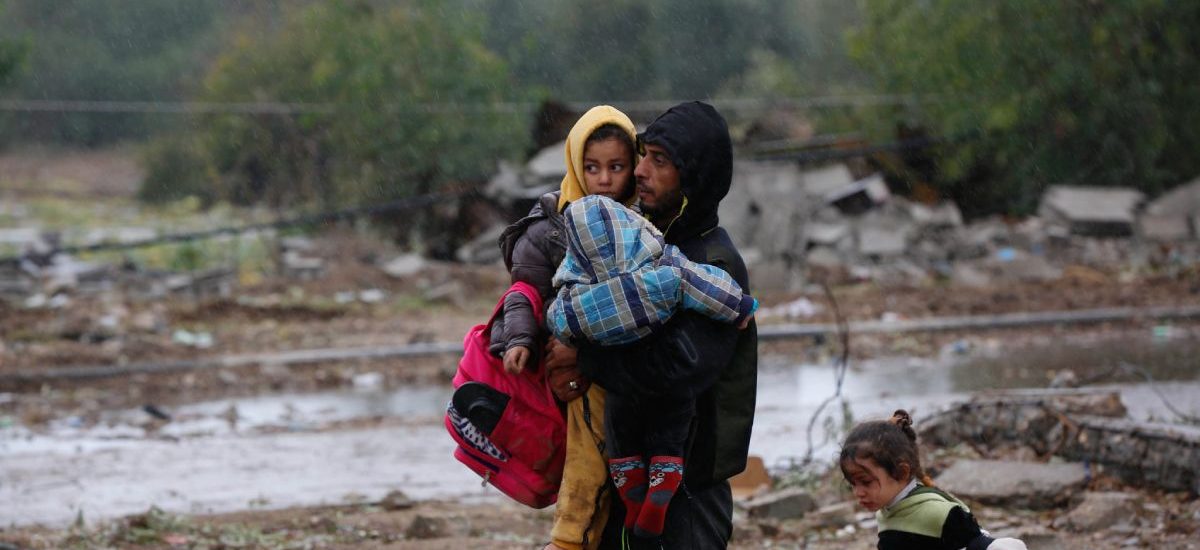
1097, 511
523, 185
450, 291
827, 234
883, 241
786, 504
1183, 201
821, 225
1024, 484
833, 515
405, 265
301, 267
396, 500
1095, 211
1165, 227
199, 340
428, 527
860, 196
483, 249
801, 308
296, 261
826, 182
1076, 425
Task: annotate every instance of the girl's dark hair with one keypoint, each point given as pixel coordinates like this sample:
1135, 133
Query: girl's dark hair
609, 131
890, 443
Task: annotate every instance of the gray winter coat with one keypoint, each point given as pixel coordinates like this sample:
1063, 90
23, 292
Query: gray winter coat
532, 247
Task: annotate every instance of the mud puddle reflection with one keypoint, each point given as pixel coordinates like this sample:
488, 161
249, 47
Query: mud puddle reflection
290, 450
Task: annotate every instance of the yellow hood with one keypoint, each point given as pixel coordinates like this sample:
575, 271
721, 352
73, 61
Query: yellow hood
573, 187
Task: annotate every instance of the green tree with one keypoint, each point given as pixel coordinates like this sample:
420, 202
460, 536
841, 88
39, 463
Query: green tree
643, 49
123, 50
1081, 92
394, 101
12, 53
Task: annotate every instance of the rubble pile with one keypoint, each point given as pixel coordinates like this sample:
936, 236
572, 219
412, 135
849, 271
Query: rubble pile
824, 225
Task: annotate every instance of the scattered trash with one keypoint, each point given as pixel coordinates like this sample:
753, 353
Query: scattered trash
800, 308
406, 265
156, 412
371, 296
199, 340
367, 381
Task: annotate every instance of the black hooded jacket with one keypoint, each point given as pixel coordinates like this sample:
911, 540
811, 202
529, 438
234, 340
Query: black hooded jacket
716, 360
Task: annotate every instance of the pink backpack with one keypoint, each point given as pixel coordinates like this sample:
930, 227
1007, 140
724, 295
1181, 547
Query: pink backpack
524, 453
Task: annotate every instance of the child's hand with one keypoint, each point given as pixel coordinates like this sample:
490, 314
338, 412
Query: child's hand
745, 322
515, 359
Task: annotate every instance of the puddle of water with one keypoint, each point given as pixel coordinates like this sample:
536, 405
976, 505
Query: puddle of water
112, 469
216, 474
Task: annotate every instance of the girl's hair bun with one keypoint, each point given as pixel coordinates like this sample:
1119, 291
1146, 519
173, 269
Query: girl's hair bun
903, 419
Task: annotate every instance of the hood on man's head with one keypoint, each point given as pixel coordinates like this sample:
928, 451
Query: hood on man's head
573, 187
697, 139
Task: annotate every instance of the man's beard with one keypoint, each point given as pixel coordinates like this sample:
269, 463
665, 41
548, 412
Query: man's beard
667, 209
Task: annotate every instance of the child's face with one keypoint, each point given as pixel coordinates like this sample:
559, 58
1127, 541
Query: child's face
872, 485
607, 170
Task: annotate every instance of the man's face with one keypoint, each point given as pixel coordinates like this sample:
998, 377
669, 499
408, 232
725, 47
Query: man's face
658, 185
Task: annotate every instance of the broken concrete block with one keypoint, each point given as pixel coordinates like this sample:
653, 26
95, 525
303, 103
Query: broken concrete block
860, 196
825, 265
550, 162
1100, 511
482, 249
428, 527
827, 181
833, 516
396, 500
1026, 268
774, 275
298, 266
1183, 200
1162, 227
882, 240
1025, 484
826, 234
405, 265
946, 214
786, 504
1096, 211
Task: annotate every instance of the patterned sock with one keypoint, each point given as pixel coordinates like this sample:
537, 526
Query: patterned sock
629, 475
666, 473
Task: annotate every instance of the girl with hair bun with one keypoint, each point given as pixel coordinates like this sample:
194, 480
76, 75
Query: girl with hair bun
881, 462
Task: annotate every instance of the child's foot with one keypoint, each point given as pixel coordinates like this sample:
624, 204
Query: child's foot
629, 476
666, 473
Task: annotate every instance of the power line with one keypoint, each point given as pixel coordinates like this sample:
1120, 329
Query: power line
303, 220
741, 104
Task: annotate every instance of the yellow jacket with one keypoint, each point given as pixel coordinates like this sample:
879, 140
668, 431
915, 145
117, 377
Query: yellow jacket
583, 497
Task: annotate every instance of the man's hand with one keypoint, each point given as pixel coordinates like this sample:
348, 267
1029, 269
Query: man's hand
515, 359
745, 322
564, 377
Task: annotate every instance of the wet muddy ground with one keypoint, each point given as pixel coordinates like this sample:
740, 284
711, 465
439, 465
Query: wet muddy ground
348, 446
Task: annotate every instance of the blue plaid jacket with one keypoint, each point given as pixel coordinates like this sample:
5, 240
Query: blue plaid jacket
619, 281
